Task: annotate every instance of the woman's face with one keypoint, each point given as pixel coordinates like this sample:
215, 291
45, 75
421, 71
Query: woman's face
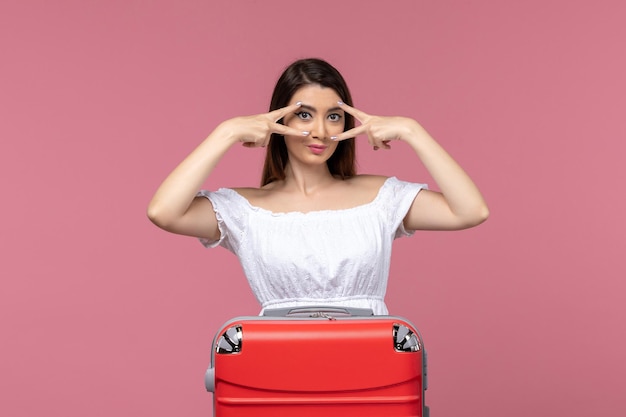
321, 116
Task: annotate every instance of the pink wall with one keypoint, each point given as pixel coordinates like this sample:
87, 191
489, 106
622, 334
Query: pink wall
102, 314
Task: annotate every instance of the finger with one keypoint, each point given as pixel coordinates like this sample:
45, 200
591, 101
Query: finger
286, 130
358, 114
278, 114
359, 130
384, 145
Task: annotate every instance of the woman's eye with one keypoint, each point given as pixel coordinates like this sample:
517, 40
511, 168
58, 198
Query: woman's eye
304, 115
334, 117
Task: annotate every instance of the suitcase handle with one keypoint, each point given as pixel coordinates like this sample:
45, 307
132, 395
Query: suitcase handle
328, 312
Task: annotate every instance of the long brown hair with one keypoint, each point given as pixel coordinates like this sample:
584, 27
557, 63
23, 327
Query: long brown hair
301, 73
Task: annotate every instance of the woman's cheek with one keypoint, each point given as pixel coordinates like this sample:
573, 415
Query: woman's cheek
297, 124
336, 130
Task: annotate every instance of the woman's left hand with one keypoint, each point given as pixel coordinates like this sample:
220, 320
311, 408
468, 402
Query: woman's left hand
380, 130
458, 205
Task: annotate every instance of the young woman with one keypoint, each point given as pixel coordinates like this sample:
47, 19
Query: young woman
315, 232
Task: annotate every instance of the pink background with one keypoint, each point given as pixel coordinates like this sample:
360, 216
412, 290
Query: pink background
103, 314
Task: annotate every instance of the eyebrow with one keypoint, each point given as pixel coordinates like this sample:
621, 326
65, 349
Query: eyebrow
311, 108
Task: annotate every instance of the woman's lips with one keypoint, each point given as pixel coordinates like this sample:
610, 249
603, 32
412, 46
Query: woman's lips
317, 149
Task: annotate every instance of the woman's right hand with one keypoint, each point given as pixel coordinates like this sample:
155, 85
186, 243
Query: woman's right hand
255, 131
175, 206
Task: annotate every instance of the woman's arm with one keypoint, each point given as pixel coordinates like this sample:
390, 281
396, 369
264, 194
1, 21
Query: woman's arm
458, 205
175, 207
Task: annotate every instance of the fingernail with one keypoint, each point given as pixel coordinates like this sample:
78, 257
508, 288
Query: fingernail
299, 103
340, 103
333, 138
305, 133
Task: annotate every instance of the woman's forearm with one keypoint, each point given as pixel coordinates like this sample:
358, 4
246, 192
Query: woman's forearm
459, 191
170, 206
177, 192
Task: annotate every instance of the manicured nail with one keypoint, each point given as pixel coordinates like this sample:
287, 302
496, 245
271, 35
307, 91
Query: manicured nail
299, 103
333, 138
340, 103
305, 133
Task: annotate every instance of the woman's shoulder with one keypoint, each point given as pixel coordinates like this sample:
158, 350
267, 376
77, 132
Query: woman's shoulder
368, 181
264, 197
249, 191
378, 181
363, 189
385, 188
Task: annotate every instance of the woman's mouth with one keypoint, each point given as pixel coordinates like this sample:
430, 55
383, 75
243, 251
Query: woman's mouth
317, 149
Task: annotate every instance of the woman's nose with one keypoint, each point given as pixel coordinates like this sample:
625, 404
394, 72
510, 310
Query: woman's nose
319, 130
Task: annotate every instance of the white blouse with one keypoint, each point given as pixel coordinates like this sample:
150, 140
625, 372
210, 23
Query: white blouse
327, 257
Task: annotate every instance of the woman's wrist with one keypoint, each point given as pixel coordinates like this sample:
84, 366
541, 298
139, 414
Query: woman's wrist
224, 134
415, 133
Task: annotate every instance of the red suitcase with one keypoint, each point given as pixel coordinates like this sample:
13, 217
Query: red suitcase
318, 361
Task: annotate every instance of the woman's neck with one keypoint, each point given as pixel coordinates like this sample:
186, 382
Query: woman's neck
307, 180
